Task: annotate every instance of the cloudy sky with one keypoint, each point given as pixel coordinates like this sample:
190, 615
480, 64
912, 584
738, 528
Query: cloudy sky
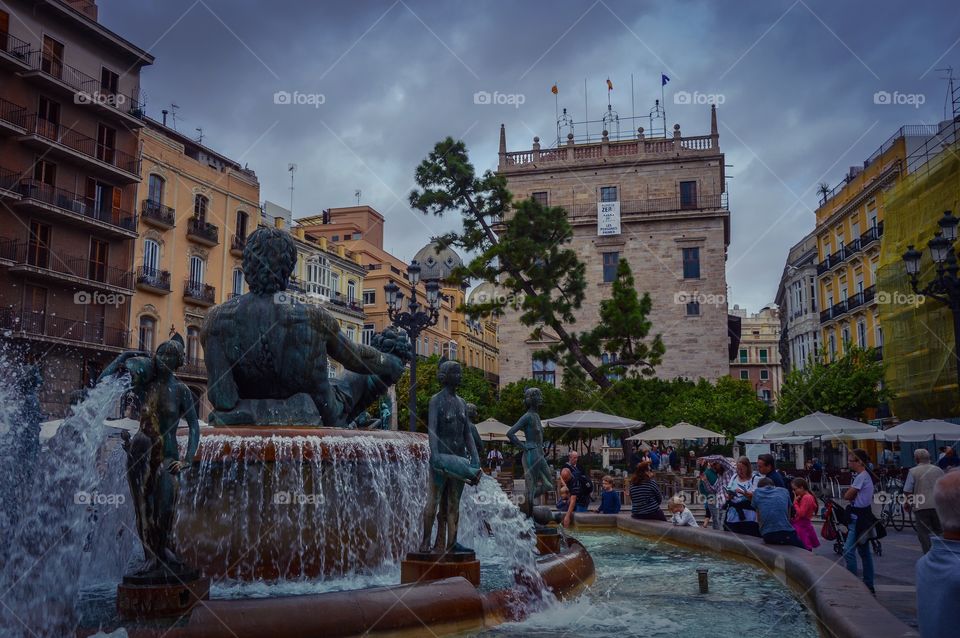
797, 80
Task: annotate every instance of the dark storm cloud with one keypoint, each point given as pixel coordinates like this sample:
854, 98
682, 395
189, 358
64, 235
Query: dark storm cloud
797, 80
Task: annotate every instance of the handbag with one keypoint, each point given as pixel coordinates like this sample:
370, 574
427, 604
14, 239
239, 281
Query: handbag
828, 532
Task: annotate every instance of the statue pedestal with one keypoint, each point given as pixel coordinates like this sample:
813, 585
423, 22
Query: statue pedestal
146, 597
426, 566
548, 540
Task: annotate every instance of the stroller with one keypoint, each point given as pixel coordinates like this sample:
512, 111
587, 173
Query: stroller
835, 527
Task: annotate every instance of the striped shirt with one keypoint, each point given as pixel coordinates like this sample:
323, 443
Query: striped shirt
645, 497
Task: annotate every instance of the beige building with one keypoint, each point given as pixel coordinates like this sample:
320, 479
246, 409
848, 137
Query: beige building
197, 207
758, 357
659, 203
797, 300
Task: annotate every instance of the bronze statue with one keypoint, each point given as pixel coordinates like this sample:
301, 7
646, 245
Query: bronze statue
266, 351
454, 460
153, 458
537, 476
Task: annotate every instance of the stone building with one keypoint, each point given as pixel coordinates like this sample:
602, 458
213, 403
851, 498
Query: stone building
797, 300
658, 202
758, 356
69, 169
197, 207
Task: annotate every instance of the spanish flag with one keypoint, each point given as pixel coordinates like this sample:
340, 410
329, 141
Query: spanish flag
609, 85
554, 89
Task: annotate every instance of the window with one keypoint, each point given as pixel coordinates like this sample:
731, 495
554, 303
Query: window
540, 197
351, 291
763, 355
693, 308
608, 194
38, 246
766, 396
241, 224
879, 334
610, 358
357, 235
197, 268
545, 371
367, 335
109, 81
318, 276
335, 283
97, 265
155, 189
743, 355
369, 297
51, 60
351, 334
151, 257
862, 333
446, 323
688, 195
846, 336
610, 263
691, 263
148, 328
48, 118
106, 143
744, 375
237, 282
832, 341
436, 346
193, 344
764, 375
200, 206
335, 238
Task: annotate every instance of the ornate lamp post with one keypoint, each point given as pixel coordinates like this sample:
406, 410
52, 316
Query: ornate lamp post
414, 320
945, 286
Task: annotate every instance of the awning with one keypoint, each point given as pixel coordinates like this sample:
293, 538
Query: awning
926, 430
590, 420
493, 430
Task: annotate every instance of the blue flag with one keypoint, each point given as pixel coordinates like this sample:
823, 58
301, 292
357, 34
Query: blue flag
663, 79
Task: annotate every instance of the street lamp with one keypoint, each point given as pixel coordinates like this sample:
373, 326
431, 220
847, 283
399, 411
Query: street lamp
945, 286
414, 320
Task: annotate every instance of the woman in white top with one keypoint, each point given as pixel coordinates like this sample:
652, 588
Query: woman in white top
741, 517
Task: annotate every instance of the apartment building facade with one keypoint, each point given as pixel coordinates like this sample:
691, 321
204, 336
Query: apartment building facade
658, 202
797, 300
196, 208
69, 173
758, 355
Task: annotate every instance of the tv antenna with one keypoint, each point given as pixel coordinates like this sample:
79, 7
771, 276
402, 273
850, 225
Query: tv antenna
951, 98
357, 194
173, 114
292, 169
199, 135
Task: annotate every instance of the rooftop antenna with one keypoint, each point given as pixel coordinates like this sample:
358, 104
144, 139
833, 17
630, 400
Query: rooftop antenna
658, 116
950, 98
357, 194
292, 169
200, 135
564, 123
173, 114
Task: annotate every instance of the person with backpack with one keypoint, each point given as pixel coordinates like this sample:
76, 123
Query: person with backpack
580, 486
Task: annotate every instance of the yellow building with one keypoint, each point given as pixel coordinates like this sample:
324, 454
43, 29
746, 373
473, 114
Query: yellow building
196, 208
849, 231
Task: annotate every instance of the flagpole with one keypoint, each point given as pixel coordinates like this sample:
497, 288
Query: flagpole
586, 111
633, 114
663, 104
556, 111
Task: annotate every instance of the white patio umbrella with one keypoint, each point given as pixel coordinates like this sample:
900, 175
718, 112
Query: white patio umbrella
926, 430
591, 419
824, 426
684, 431
760, 435
493, 430
659, 433
49, 428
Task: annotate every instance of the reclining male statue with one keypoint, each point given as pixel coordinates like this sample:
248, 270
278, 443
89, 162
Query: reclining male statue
266, 351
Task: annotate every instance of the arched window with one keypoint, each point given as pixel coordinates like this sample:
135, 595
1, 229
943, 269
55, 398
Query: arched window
351, 291
146, 334
237, 282
335, 283
155, 189
151, 257
197, 269
193, 344
200, 205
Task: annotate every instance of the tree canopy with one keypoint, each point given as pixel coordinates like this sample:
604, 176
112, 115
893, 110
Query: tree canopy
474, 388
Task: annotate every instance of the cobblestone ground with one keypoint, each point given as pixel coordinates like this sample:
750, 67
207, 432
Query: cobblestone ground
895, 575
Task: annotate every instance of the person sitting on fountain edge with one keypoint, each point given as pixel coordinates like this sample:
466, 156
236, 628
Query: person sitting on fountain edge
773, 514
609, 498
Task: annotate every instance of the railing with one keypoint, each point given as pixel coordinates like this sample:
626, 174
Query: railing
150, 209
76, 203
849, 304
847, 252
873, 234
36, 322
193, 367
595, 150
13, 113
237, 243
14, 46
203, 230
338, 300
81, 143
65, 264
90, 90
199, 291
154, 277
658, 205
9, 179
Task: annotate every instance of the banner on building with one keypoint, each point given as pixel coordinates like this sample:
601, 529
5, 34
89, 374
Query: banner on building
608, 218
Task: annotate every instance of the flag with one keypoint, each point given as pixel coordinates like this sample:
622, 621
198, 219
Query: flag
663, 79
554, 89
609, 85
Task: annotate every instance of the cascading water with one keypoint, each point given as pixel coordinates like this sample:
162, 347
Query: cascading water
42, 573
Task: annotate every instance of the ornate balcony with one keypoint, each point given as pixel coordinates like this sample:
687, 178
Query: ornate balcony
153, 280
13, 118
193, 368
72, 269
199, 293
65, 142
157, 214
70, 206
237, 244
14, 52
857, 246
49, 327
579, 212
202, 232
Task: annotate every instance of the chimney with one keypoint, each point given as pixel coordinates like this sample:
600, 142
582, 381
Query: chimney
164, 111
278, 222
298, 232
714, 133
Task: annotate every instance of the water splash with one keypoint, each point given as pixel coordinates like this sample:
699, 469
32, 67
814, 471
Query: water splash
41, 577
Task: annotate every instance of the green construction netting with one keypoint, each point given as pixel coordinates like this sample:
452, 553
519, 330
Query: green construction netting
918, 333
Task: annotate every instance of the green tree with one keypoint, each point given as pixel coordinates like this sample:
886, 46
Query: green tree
844, 387
622, 328
474, 388
729, 406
